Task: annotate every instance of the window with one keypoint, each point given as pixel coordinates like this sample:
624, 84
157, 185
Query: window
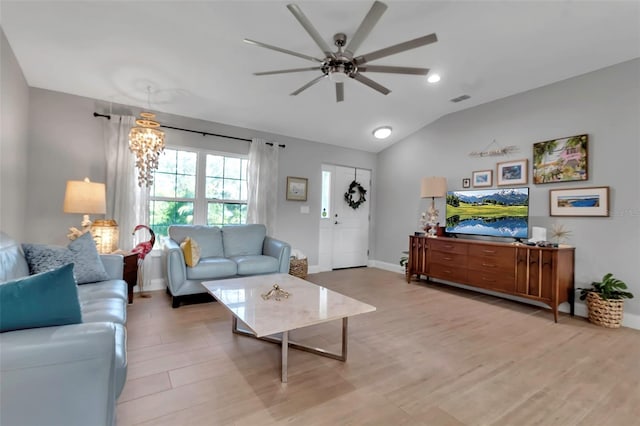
197, 187
226, 182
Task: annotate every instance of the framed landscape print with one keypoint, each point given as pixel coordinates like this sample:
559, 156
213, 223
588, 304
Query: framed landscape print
579, 201
560, 160
296, 188
482, 178
512, 172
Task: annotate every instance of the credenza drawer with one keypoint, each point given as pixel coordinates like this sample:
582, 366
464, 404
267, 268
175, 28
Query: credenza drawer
494, 264
491, 251
448, 272
447, 246
455, 259
498, 281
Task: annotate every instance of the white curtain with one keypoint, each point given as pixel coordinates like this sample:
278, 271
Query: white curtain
263, 184
127, 203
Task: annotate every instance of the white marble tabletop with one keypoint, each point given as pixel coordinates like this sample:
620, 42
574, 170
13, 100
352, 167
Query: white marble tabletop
307, 305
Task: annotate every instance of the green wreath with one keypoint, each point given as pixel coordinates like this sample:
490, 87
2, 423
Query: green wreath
348, 196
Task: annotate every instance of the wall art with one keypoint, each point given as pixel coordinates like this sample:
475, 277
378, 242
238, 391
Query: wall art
579, 201
561, 160
482, 178
512, 172
296, 188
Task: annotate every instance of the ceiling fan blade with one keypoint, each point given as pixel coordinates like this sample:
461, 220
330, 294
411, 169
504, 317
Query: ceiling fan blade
309, 84
287, 71
368, 82
394, 70
279, 49
339, 92
396, 48
308, 26
365, 27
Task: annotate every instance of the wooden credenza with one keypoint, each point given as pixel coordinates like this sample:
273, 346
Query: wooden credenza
535, 273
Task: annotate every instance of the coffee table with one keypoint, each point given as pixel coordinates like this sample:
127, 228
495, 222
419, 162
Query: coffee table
308, 304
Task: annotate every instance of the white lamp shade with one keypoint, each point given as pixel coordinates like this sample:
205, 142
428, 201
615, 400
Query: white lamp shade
433, 187
85, 197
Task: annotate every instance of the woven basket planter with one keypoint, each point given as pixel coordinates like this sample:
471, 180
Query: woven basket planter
298, 267
605, 313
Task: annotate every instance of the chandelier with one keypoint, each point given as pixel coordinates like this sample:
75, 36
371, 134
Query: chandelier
146, 141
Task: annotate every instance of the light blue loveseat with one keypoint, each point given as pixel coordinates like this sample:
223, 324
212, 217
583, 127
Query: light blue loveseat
67, 374
225, 252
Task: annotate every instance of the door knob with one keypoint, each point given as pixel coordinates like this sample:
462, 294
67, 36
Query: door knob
336, 222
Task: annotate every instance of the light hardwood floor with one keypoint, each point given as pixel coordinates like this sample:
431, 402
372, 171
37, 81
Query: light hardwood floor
430, 355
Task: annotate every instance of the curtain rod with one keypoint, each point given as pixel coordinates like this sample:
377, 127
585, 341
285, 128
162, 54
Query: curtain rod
108, 117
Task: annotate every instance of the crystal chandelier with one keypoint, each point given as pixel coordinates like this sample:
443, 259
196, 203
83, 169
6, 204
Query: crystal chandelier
146, 141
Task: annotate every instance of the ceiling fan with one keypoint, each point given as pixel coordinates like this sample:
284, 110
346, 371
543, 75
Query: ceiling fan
342, 64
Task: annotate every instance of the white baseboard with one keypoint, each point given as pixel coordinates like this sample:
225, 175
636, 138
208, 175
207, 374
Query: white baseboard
154, 284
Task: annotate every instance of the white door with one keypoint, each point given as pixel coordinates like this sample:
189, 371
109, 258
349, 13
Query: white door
350, 245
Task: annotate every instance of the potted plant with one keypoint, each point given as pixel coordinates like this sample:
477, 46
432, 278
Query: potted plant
404, 261
605, 301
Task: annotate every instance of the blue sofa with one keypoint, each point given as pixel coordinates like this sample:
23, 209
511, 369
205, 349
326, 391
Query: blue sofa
68, 374
225, 252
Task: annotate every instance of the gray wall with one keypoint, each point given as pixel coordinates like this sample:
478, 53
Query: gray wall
66, 143
605, 104
14, 114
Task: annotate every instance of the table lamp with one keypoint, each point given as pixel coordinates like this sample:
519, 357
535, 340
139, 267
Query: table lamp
434, 187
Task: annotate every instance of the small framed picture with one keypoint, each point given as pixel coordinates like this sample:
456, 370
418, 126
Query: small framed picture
482, 178
466, 183
513, 172
579, 201
296, 188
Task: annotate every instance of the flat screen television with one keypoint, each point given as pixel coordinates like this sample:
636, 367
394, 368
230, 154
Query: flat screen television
500, 212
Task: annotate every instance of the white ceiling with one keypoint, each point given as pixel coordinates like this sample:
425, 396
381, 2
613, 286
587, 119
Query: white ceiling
192, 56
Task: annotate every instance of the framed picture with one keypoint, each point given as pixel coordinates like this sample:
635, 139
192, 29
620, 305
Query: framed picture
560, 160
466, 183
579, 201
513, 172
296, 188
482, 178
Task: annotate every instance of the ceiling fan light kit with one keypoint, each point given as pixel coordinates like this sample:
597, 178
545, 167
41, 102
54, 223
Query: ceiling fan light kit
341, 65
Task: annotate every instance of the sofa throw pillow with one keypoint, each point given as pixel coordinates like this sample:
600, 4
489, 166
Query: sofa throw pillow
42, 300
191, 252
88, 266
81, 251
43, 257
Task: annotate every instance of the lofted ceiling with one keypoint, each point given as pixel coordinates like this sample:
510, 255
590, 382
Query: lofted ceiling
192, 56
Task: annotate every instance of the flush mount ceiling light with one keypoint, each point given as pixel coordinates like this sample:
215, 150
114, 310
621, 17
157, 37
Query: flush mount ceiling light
382, 132
433, 78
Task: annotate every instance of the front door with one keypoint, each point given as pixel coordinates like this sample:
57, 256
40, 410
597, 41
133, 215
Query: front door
350, 227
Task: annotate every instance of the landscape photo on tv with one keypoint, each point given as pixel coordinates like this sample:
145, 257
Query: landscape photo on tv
500, 212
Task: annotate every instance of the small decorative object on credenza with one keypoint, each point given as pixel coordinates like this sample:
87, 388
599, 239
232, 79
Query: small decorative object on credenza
605, 301
433, 187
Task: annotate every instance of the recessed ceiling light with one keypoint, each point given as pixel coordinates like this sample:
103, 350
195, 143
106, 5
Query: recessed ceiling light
433, 78
382, 132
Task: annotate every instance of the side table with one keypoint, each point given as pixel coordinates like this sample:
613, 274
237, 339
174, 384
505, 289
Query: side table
130, 273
